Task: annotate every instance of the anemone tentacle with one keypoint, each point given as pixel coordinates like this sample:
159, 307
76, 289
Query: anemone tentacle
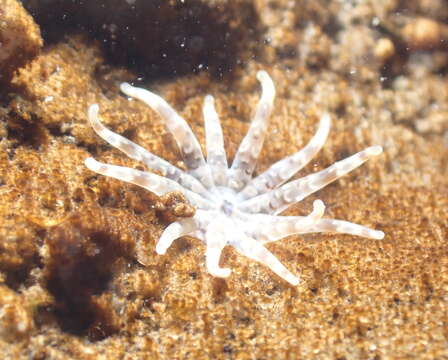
214, 140
245, 159
187, 142
278, 200
284, 169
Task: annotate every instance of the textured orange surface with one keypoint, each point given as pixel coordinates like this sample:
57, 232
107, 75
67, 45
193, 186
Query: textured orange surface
20, 38
79, 277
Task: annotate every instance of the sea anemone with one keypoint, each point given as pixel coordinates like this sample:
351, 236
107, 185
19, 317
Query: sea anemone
233, 207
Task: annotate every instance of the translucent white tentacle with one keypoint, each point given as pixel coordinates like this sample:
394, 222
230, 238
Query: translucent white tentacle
344, 227
174, 231
187, 142
281, 198
159, 185
216, 238
326, 225
245, 159
284, 169
216, 154
138, 153
267, 228
256, 251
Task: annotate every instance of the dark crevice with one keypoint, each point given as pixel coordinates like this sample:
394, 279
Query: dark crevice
157, 39
16, 278
27, 132
81, 265
332, 28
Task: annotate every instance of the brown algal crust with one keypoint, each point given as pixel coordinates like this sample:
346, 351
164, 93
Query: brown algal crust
79, 277
20, 39
173, 205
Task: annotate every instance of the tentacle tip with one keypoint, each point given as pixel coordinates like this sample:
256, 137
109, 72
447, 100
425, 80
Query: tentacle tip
94, 108
325, 119
125, 87
262, 75
375, 150
319, 206
220, 272
209, 99
160, 251
91, 163
92, 115
293, 280
266, 83
378, 235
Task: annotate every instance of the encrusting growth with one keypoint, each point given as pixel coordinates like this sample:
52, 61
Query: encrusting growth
233, 208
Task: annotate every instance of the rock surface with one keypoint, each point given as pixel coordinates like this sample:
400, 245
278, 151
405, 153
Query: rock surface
20, 38
79, 277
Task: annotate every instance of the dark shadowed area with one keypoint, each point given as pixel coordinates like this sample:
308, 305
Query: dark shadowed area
79, 276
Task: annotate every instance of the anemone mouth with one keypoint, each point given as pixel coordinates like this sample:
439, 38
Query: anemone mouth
227, 207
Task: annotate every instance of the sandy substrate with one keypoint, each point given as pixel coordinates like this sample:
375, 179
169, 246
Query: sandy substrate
79, 277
